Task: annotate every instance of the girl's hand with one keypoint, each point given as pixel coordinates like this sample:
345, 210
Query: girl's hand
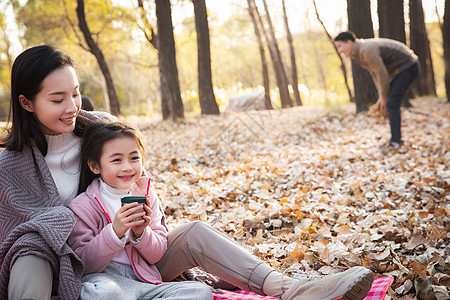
139, 226
125, 216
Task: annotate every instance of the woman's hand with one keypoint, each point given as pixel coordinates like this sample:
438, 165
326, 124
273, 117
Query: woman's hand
125, 216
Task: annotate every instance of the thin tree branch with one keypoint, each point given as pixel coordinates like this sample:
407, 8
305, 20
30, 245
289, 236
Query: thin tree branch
344, 71
74, 28
147, 26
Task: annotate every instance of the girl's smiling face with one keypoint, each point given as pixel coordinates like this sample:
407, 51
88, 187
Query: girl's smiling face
57, 105
120, 163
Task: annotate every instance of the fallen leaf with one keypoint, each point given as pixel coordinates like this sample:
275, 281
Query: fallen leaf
415, 241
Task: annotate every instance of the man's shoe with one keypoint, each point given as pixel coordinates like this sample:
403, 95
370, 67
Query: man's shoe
392, 147
395, 144
352, 284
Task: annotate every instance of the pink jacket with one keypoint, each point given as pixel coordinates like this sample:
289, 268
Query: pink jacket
96, 248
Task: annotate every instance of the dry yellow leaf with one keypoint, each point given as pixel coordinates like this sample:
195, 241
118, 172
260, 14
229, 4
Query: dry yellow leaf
343, 229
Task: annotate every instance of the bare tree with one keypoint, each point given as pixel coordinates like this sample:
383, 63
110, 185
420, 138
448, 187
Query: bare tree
360, 22
152, 38
446, 42
294, 78
391, 20
114, 103
208, 104
330, 38
282, 92
421, 46
275, 55
167, 60
265, 72
286, 100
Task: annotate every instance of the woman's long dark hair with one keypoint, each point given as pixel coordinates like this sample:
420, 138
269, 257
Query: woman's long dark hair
95, 137
28, 72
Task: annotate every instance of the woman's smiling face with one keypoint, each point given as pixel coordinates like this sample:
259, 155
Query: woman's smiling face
57, 105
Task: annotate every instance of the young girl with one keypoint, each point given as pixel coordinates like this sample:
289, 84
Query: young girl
39, 174
119, 245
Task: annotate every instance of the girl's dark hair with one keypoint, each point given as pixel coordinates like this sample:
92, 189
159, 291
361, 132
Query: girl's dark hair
94, 138
28, 72
345, 36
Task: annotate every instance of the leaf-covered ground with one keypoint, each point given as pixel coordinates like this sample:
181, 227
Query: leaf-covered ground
310, 188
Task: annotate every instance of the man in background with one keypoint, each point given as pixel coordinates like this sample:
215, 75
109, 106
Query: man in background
393, 67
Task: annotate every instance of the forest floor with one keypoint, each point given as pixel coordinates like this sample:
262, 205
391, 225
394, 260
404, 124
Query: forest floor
310, 188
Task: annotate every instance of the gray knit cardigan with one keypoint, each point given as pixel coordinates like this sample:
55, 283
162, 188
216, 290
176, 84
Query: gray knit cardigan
33, 219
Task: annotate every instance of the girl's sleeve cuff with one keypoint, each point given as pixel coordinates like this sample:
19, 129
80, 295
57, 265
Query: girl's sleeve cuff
110, 231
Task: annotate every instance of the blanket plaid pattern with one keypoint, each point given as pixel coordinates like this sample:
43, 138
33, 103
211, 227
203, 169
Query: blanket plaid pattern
379, 288
239, 295
377, 292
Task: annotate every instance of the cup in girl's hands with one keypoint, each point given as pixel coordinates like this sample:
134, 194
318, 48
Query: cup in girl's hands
138, 199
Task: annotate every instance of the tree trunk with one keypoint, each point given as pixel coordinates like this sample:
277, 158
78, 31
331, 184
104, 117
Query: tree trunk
265, 73
391, 20
208, 104
167, 60
165, 106
360, 22
294, 78
97, 52
330, 38
286, 100
276, 67
421, 46
152, 38
446, 42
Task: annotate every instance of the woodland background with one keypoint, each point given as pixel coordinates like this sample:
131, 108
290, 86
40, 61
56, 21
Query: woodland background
302, 184
135, 58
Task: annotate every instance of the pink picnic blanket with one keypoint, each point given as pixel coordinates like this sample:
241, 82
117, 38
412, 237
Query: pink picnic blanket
377, 292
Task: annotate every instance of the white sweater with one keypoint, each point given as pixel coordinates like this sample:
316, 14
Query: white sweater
63, 160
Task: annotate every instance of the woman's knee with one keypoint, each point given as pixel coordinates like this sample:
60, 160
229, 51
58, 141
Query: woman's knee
31, 277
